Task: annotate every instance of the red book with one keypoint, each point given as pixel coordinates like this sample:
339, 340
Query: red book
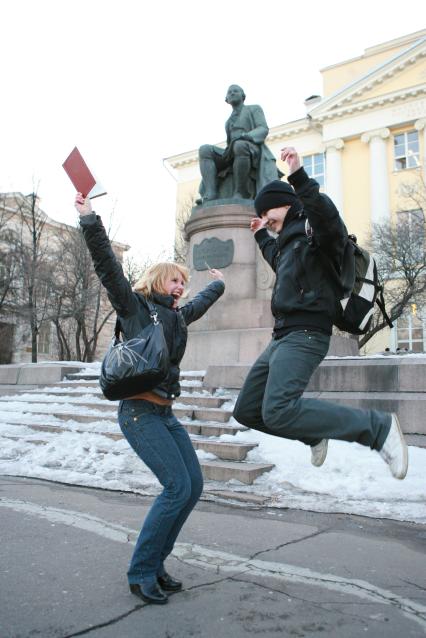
80, 175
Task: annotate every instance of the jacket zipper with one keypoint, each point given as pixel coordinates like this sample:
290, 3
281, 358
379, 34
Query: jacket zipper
299, 270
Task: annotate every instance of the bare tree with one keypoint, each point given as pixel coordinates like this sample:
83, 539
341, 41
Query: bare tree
412, 195
133, 269
399, 249
34, 267
79, 308
8, 283
8, 256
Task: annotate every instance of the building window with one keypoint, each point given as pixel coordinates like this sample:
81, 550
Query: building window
406, 150
314, 165
43, 344
411, 330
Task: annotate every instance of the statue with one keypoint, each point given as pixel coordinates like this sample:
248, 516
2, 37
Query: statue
246, 164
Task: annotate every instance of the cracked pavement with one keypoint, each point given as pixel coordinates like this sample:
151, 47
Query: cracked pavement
247, 570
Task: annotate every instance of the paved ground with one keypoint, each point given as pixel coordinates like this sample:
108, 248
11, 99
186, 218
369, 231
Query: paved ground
247, 572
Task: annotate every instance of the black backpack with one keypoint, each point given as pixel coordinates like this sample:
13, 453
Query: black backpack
358, 286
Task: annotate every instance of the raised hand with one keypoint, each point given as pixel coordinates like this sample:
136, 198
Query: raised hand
83, 205
215, 274
257, 223
291, 156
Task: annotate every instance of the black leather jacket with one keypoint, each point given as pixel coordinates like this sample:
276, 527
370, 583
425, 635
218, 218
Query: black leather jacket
303, 294
132, 309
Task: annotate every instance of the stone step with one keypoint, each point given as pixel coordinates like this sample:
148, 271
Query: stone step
87, 383
207, 414
212, 429
89, 417
191, 386
67, 390
222, 449
67, 399
189, 383
94, 376
10, 437
227, 471
195, 404
418, 440
87, 388
363, 374
202, 414
191, 426
220, 471
94, 383
108, 413
41, 427
80, 376
201, 401
187, 376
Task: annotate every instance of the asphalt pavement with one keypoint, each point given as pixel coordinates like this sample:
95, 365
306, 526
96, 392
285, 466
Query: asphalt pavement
247, 570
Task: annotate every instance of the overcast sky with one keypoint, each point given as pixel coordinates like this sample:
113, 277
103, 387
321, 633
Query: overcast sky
133, 82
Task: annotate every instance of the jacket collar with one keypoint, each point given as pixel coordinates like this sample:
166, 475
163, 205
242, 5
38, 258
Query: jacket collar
163, 300
294, 224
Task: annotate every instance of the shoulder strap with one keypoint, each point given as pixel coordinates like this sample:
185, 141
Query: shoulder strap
344, 281
117, 328
380, 301
152, 313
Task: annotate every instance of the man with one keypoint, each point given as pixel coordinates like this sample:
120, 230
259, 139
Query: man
303, 302
246, 156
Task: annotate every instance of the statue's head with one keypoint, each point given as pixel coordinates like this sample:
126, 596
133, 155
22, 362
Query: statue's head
235, 94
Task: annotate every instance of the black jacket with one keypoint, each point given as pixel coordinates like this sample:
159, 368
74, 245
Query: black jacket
304, 295
132, 309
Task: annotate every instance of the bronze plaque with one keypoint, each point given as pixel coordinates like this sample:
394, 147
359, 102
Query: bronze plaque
213, 253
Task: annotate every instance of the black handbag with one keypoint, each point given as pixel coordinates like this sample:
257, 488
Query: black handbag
136, 365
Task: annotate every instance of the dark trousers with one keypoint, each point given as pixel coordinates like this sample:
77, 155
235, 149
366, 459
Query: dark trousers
164, 446
271, 397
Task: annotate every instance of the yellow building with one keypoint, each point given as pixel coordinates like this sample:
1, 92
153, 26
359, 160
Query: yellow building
362, 140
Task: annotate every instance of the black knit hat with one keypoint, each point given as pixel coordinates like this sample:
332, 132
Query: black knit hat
274, 195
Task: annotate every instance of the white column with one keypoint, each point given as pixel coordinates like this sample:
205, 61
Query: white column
334, 181
379, 179
420, 125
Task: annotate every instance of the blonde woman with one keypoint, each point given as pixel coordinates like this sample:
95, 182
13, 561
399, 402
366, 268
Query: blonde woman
146, 419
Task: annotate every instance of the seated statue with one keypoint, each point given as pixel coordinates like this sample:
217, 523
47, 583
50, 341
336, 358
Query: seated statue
246, 164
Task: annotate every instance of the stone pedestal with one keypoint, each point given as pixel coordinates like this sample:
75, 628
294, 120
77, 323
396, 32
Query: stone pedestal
238, 327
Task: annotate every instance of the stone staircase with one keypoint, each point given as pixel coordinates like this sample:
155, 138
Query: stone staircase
78, 405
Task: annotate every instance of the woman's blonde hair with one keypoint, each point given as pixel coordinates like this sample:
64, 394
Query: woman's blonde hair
155, 277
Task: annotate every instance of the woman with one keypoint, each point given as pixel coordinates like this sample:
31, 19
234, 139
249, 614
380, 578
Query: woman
146, 419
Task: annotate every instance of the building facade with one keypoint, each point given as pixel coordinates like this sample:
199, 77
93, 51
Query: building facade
364, 141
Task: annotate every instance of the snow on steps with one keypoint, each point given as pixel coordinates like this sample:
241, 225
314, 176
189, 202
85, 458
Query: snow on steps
76, 404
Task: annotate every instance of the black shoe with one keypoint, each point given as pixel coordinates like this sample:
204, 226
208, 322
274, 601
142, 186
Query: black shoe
168, 583
150, 593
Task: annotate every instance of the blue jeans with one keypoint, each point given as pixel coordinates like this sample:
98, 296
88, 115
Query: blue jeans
164, 446
271, 398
